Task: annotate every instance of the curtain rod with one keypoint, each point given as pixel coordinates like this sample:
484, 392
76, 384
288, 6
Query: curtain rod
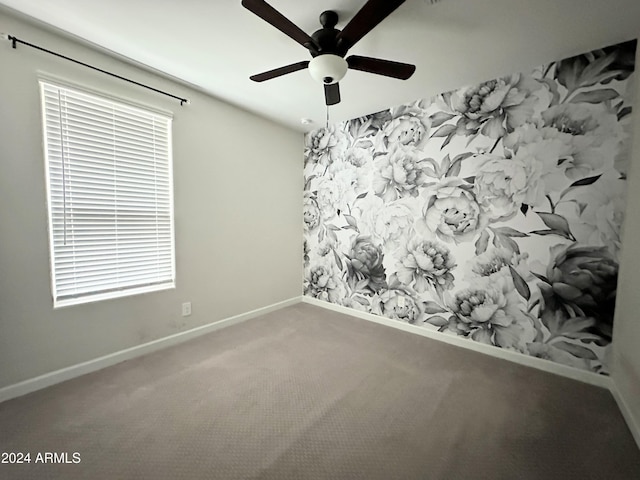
15, 41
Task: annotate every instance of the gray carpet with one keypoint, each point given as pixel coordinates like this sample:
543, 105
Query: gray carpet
306, 393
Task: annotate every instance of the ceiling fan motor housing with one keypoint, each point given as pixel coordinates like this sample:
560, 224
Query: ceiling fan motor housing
326, 38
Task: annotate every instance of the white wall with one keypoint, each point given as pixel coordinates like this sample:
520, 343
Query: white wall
626, 333
238, 191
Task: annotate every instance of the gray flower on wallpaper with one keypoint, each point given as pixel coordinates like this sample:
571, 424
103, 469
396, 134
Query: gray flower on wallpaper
409, 126
310, 213
358, 156
398, 304
495, 107
424, 263
366, 262
594, 134
329, 195
589, 137
492, 312
330, 192
502, 186
544, 160
492, 212
339, 187
400, 172
580, 282
451, 211
389, 222
325, 283
326, 147
498, 260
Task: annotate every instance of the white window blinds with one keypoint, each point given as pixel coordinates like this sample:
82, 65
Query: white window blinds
110, 194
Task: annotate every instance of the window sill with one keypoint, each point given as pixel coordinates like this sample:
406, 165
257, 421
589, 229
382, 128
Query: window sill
111, 295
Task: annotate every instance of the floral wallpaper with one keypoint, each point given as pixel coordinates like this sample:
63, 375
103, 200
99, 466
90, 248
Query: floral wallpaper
492, 212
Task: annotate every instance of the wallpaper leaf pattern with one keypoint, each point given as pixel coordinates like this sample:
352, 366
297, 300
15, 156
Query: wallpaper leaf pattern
491, 212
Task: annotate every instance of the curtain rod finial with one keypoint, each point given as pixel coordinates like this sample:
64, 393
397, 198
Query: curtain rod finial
11, 38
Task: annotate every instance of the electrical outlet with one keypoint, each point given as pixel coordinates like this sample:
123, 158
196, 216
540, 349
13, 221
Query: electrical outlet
186, 309
401, 301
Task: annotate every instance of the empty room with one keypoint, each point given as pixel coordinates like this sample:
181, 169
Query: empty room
346, 239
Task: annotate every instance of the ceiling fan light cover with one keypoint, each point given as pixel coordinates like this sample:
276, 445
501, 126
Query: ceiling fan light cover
328, 68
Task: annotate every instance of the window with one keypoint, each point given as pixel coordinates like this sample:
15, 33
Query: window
110, 196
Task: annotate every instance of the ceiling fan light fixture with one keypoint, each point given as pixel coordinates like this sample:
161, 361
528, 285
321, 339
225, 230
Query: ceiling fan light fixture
328, 68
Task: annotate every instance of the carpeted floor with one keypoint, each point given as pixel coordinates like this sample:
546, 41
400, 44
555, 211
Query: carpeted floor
306, 393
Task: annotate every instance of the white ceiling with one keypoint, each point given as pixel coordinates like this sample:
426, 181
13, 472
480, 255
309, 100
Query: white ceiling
216, 45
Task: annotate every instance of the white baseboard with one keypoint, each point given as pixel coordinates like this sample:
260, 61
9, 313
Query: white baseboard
539, 363
634, 427
625, 389
58, 376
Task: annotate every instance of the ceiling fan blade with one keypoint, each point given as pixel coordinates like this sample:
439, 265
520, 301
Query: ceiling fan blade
270, 15
370, 15
332, 94
277, 72
381, 67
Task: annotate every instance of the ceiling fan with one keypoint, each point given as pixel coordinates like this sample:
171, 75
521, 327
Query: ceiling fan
328, 45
